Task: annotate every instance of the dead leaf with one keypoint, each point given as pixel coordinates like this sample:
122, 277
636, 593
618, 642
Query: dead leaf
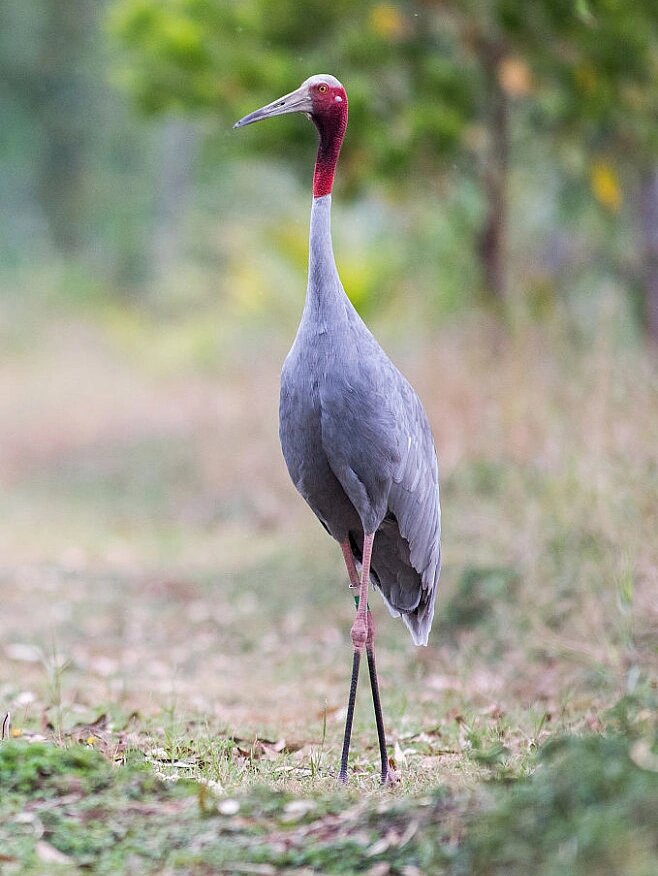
228, 807
399, 755
393, 775
409, 833
378, 848
297, 809
50, 855
514, 77
641, 754
23, 653
265, 748
256, 869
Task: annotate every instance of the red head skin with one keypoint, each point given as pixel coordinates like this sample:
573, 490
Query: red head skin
330, 118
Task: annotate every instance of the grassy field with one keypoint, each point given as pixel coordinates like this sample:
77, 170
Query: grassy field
175, 624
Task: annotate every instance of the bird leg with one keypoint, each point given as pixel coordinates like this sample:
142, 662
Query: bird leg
342, 775
348, 556
376, 701
354, 583
360, 625
363, 633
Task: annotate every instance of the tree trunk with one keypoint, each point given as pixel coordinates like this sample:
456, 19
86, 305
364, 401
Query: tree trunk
649, 221
63, 109
492, 248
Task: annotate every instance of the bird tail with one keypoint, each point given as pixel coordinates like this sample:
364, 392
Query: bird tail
419, 627
418, 621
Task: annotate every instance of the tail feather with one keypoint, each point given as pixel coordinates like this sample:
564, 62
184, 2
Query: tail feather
406, 593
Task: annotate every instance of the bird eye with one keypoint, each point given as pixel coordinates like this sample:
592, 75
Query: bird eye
322, 88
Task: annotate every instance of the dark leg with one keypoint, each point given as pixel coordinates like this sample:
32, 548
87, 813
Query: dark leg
374, 684
359, 636
342, 776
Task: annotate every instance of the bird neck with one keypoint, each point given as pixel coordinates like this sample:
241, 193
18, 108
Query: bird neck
326, 302
331, 127
321, 262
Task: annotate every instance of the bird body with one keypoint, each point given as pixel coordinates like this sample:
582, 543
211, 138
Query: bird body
357, 442
354, 435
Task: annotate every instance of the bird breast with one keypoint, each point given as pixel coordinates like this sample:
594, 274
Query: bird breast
337, 422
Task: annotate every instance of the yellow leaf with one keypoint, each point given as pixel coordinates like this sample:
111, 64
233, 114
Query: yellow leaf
387, 22
586, 77
605, 186
16, 732
514, 77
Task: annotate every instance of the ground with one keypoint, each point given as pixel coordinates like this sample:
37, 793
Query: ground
175, 623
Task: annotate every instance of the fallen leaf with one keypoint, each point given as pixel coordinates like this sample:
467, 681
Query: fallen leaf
23, 653
381, 868
393, 774
267, 748
228, 807
398, 754
641, 754
297, 809
50, 855
378, 847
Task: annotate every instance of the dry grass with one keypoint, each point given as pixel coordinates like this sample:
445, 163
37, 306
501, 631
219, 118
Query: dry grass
158, 568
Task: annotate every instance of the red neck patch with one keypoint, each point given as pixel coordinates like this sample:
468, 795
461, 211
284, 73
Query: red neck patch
330, 118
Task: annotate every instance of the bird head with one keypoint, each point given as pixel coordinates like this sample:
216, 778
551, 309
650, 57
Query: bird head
320, 97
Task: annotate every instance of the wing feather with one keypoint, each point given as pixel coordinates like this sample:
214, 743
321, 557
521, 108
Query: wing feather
414, 501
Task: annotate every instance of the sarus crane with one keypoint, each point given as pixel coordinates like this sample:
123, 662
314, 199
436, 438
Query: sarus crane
355, 437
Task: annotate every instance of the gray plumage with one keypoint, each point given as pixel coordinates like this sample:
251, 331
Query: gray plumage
357, 442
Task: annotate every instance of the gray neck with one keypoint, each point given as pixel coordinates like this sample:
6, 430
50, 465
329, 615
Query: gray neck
321, 264
325, 298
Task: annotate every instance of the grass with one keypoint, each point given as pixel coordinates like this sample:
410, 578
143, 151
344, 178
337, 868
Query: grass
174, 633
587, 808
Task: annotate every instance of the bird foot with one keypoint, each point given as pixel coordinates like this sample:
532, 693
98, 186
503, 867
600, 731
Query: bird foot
392, 777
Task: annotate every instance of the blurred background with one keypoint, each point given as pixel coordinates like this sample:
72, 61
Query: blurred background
496, 154
495, 222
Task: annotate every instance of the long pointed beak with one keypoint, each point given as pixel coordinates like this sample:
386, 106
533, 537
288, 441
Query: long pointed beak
298, 101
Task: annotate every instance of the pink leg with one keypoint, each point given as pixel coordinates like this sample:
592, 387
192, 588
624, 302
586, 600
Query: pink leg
348, 556
360, 625
386, 775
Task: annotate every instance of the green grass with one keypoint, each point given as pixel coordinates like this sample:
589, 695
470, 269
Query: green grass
587, 807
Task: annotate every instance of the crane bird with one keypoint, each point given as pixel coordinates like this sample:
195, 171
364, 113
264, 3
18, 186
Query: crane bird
354, 434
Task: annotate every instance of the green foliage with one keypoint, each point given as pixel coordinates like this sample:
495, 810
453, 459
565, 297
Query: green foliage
419, 75
477, 594
596, 65
436, 89
88, 812
41, 768
412, 88
588, 809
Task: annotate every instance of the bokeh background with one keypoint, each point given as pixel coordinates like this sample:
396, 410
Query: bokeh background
495, 222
